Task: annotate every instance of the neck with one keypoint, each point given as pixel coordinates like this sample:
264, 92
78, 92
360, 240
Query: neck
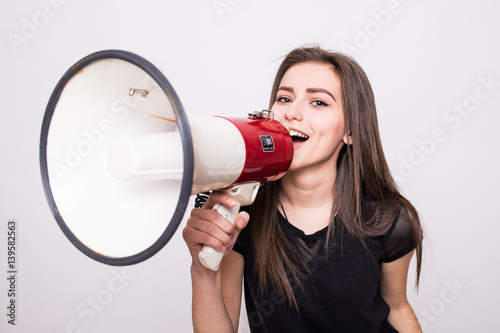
308, 189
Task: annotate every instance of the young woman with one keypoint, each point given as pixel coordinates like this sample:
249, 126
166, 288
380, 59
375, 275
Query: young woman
329, 244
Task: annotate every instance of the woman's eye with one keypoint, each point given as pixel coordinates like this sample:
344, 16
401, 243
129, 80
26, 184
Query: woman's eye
319, 103
283, 99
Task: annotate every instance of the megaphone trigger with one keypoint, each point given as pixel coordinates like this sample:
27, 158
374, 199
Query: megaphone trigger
245, 195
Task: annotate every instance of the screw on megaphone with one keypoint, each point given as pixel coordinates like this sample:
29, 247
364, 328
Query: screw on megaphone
143, 92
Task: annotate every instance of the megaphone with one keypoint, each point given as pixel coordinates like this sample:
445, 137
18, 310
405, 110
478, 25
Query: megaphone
119, 158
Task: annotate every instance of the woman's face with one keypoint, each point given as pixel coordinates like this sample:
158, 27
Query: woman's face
309, 102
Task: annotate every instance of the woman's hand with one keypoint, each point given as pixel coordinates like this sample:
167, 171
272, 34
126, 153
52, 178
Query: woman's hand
213, 310
208, 227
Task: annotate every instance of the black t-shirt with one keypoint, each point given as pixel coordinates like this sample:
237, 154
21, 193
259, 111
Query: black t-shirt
343, 294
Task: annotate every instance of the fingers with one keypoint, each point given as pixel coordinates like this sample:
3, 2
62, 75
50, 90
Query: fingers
208, 227
219, 198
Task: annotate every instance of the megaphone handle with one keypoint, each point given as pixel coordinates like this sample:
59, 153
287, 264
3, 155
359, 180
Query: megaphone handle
244, 194
209, 257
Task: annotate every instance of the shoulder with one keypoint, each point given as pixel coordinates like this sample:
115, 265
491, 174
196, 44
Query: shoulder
401, 237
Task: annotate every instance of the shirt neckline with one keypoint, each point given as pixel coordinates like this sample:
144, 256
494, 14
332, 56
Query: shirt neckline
298, 232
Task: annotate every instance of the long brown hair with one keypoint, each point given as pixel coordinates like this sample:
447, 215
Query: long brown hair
366, 198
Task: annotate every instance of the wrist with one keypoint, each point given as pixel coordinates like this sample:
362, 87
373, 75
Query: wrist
200, 271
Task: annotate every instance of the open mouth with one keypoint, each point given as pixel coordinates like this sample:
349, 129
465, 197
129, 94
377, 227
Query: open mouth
298, 136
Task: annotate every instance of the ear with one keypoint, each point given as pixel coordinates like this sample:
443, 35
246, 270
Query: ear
347, 139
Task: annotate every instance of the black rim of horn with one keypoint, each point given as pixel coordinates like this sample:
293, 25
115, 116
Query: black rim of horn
185, 133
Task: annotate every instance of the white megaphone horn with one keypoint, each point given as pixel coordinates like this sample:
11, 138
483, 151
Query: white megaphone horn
119, 158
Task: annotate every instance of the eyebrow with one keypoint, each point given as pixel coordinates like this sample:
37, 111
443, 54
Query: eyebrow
308, 90
315, 90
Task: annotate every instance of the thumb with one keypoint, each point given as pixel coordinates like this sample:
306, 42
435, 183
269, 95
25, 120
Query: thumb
241, 221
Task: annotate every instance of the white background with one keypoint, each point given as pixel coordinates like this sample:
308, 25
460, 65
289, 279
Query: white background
425, 59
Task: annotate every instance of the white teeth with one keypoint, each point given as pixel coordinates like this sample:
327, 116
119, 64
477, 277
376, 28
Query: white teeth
298, 134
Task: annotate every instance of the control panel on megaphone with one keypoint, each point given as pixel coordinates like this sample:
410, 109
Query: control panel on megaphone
119, 158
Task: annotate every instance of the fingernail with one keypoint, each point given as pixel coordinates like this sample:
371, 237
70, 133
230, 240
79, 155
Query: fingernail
232, 202
241, 222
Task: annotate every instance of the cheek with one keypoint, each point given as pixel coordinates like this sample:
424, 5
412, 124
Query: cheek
333, 128
333, 141
279, 112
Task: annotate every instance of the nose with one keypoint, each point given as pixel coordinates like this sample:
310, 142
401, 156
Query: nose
294, 111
